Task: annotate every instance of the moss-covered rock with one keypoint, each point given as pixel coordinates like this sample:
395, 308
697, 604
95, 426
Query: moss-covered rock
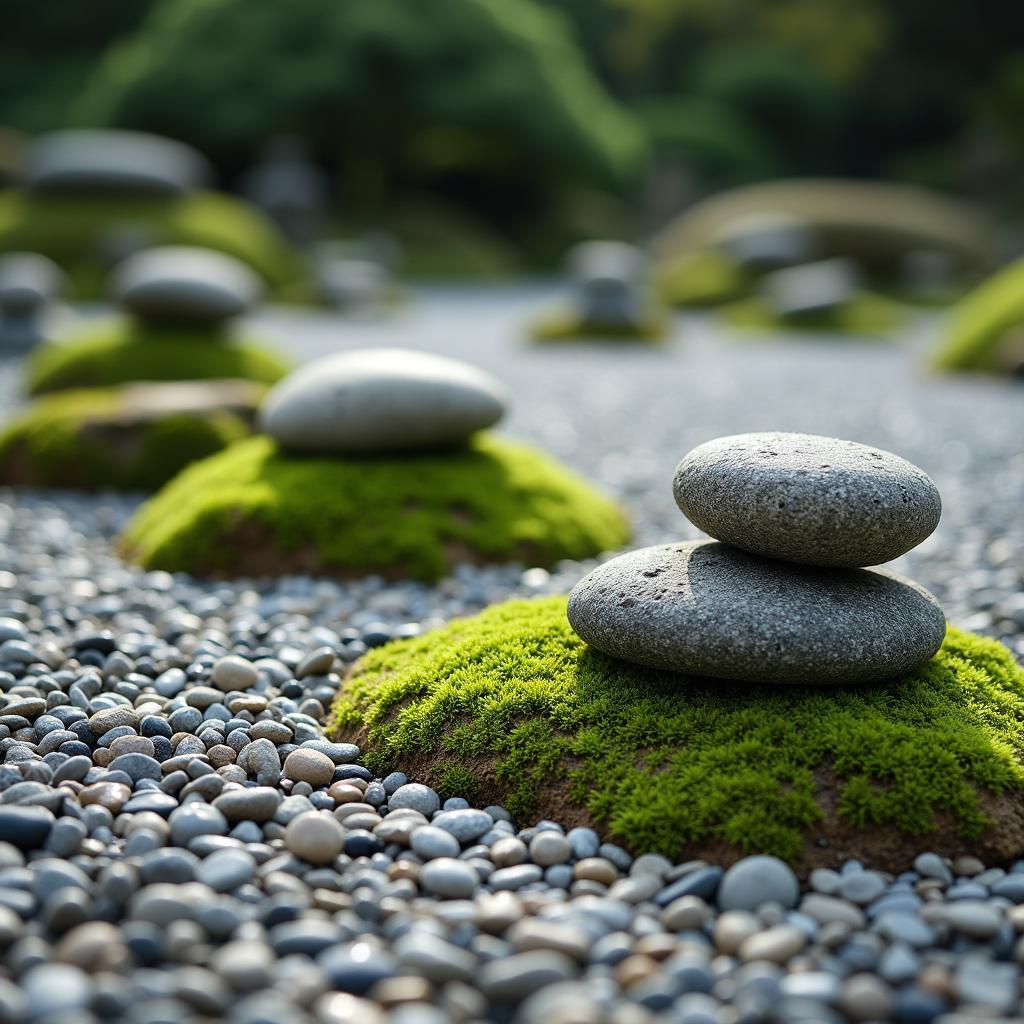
78, 231
253, 510
120, 350
511, 706
122, 438
568, 325
701, 278
986, 328
865, 314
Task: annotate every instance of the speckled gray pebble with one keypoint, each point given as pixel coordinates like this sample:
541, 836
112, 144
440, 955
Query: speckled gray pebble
805, 498
707, 609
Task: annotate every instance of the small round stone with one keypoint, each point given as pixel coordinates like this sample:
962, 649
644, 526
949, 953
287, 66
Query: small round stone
707, 609
233, 673
430, 843
315, 837
417, 797
756, 880
805, 498
450, 878
547, 848
307, 765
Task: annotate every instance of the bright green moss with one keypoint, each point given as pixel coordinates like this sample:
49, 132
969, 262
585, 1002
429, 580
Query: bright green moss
79, 439
566, 325
74, 230
986, 328
666, 763
701, 278
865, 314
252, 510
120, 350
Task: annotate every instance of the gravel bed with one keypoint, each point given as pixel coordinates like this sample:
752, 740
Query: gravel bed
178, 842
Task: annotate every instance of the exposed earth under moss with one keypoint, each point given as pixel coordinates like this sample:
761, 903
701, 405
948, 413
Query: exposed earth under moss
83, 233
511, 706
121, 350
252, 510
92, 439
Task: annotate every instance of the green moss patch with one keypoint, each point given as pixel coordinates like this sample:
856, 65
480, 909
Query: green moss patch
566, 325
701, 278
523, 712
986, 328
865, 314
86, 439
74, 230
252, 510
121, 350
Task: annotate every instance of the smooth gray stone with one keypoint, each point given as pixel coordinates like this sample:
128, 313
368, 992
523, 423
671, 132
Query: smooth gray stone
763, 241
28, 281
380, 400
807, 499
811, 288
112, 161
707, 609
185, 283
756, 880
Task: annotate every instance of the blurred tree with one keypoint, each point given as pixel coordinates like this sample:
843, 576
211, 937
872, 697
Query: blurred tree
487, 100
48, 51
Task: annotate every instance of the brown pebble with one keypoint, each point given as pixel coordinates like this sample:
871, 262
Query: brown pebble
404, 869
102, 756
635, 968
221, 754
345, 793
132, 745
595, 869
112, 795
308, 765
659, 946
392, 992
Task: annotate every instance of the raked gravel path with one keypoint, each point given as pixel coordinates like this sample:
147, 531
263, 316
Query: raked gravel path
179, 843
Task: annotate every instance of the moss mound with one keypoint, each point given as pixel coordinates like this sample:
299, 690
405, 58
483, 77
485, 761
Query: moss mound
87, 439
512, 706
74, 230
986, 328
864, 314
252, 510
567, 325
701, 278
121, 350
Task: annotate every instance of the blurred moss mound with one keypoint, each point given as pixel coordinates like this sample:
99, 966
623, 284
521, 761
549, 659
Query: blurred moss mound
109, 438
701, 278
875, 224
121, 350
569, 325
253, 510
986, 328
866, 313
85, 233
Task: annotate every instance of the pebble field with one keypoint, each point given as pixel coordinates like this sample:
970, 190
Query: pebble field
162, 737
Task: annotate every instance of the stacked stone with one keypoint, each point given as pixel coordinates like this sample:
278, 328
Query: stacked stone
381, 401
781, 594
185, 285
29, 285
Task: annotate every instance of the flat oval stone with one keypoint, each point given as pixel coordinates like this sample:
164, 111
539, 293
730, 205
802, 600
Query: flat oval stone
89, 160
808, 499
380, 400
707, 609
185, 283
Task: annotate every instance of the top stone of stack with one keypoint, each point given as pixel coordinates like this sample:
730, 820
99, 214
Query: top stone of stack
184, 284
807, 499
